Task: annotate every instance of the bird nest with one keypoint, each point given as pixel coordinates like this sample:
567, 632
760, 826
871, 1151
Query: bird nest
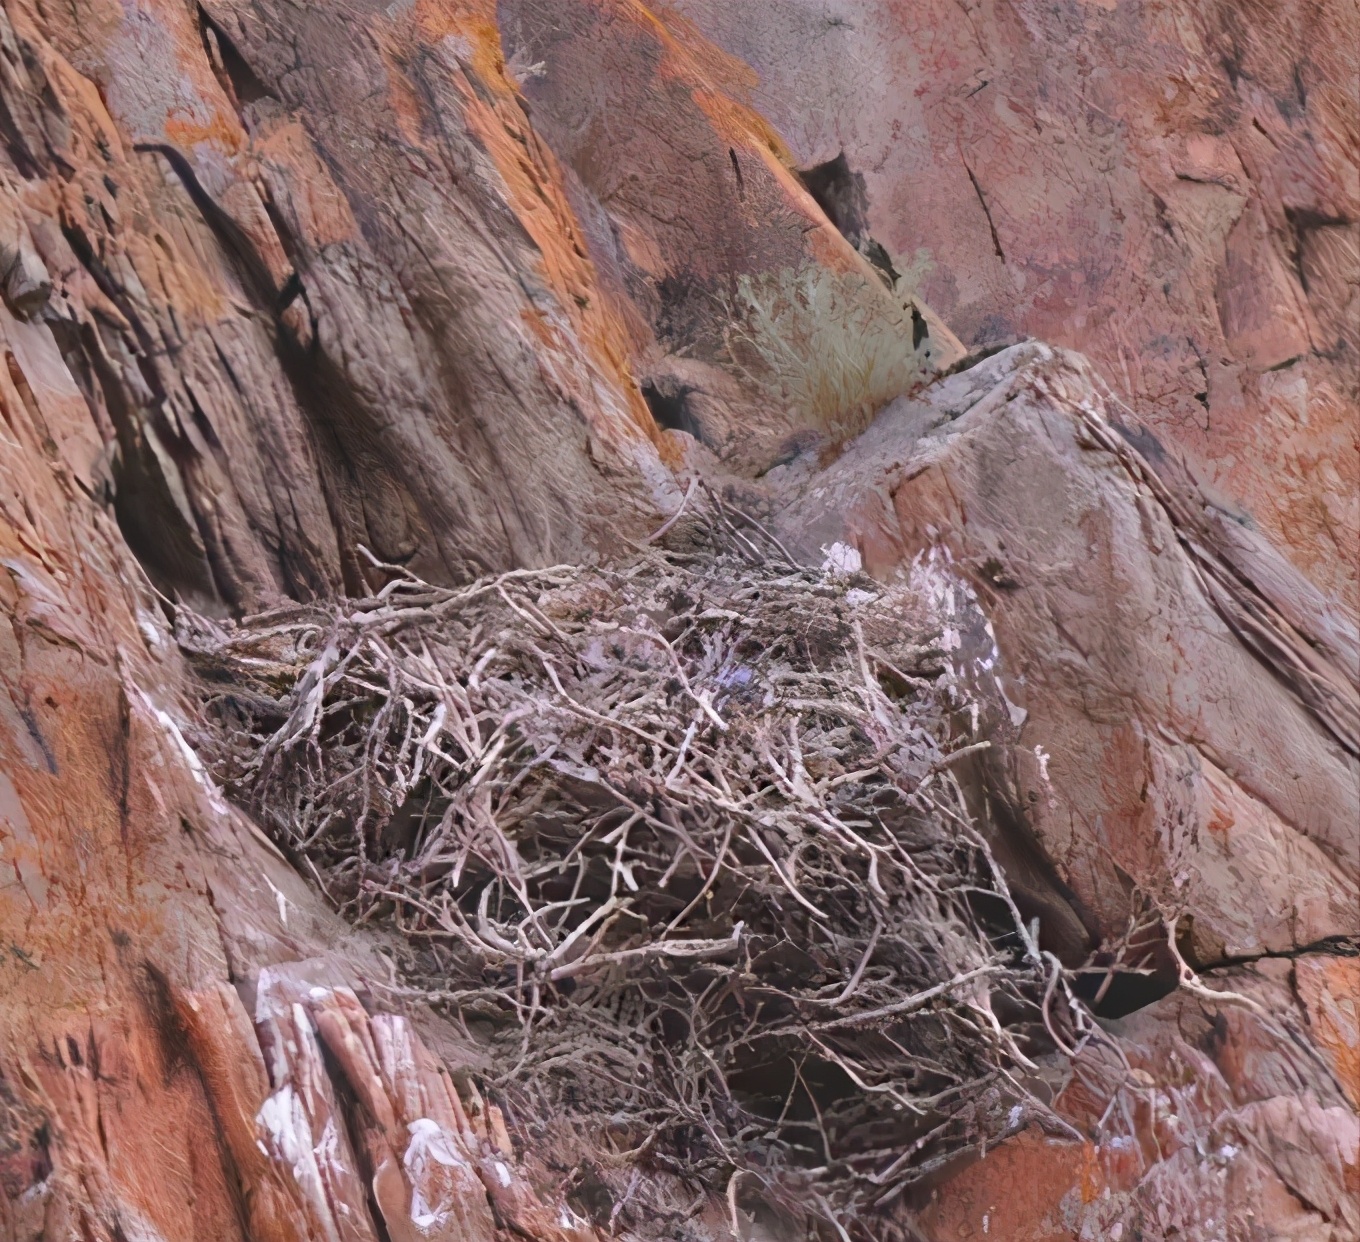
681, 838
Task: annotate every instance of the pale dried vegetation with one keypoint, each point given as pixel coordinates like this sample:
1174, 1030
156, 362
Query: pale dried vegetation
836, 346
682, 840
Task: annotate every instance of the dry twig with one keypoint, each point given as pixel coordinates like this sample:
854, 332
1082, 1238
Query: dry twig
666, 829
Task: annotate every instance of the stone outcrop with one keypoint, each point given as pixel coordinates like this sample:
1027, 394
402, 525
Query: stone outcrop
1172, 190
1129, 770
470, 286
1135, 640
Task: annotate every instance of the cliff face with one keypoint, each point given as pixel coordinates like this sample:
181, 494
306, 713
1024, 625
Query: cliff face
472, 286
1170, 189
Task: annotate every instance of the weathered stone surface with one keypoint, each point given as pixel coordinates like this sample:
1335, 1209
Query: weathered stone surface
304, 288
278, 283
168, 983
454, 281
1232, 1132
1188, 745
1153, 747
1172, 189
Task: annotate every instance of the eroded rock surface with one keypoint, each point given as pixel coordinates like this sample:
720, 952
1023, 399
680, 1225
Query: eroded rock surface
1130, 767
1172, 189
1139, 755
456, 282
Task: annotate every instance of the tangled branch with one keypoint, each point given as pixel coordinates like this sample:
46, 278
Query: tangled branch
683, 836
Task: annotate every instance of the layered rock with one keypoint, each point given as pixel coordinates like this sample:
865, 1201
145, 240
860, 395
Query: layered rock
470, 286
1136, 642
1150, 755
1170, 189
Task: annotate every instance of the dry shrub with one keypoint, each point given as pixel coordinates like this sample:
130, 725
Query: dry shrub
837, 346
682, 839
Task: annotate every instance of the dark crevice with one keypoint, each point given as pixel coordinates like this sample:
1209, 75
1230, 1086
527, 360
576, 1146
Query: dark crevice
285, 234
1303, 222
182, 553
256, 279
972, 359
669, 404
165, 544
337, 420
110, 288
986, 211
356, 1120
179, 1058
1067, 927
841, 194
919, 329
1163, 216
15, 145
1120, 994
1125, 993
120, 765
736, 168
292, 289
201, 421
1328, 946
238, 79
30, 720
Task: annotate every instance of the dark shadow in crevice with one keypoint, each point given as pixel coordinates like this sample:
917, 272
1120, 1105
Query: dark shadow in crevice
179, 1060
166, 545
1126, 993
841, 194
669, 404
357, 1122
236, 76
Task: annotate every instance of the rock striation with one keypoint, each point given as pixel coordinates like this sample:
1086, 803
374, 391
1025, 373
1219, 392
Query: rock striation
1172, 190
289, 289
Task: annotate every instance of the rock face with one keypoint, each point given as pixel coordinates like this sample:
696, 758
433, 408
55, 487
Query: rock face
1173, 190
1132, 643
288, 289
1139, 641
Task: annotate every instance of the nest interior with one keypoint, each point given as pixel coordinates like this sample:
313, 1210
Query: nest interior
681, 840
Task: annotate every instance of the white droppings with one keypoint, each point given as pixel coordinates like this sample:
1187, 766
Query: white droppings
503, 1173
150, 630
1043, 763
431, 1146
1018, 714
282, 903
284, 1120
842, 559
327, 1149
200, 774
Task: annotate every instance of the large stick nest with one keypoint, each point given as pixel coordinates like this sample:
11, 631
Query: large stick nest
682, 838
